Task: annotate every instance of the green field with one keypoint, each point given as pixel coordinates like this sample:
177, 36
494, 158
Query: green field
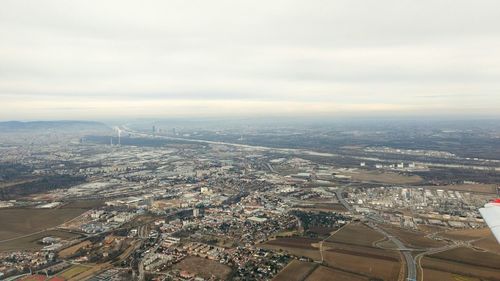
73, 271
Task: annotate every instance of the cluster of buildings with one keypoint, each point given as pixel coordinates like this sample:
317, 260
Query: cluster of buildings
428, 205
16, 262
218, 202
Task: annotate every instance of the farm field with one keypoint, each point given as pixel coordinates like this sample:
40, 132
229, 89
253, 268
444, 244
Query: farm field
356, 234
73, 271
323, 273
430, 228
84, 204
295, 242
470, 257
481, 238
414, 239
466, 234
385, 244
437, 275
22, 221
92, 270
308, 271
301, 247
204, 267
296, 271
67, 252
488, 243
476, 188
325, 207
382, 177
368, 251
31, 242
349, 253
456, 270
374, 266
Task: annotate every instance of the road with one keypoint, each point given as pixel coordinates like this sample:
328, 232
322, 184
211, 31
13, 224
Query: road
410, 262
326, 239
419, 257
411, 266
127, 130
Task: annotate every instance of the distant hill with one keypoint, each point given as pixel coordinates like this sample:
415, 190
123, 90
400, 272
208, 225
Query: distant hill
19, 126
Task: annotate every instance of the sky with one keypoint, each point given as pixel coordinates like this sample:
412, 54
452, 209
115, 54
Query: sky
155, 59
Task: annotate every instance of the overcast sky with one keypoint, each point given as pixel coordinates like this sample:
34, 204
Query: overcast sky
101, 59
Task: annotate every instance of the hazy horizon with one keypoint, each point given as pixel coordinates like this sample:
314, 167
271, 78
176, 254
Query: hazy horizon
94, 60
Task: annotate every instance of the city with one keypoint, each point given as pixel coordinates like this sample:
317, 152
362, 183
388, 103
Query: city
237, 140
153, 204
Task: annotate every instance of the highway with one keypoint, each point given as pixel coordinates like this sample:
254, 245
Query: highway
125, 129
410, 262
411, 266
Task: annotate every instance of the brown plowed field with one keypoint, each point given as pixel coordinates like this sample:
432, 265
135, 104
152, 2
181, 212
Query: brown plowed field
364, 254
296, 271
204, 267
459, 269
324, 273
437, 275
360, 263
476, 188
356, 234
413, 239
295, 242
470, 257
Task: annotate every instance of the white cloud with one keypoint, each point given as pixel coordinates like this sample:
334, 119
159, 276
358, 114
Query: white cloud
275, 57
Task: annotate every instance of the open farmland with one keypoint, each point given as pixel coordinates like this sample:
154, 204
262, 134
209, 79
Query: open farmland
295, 242
461, 264
413, 239
476, 188
437, 275
22, 221
349, 251
73, 271
471, 257
31, 242
457, 271
22, 228
356, 234
68, 252
204, 267
301, 247
325, 207
377, 266
488, 243
382, 177
481, 239
323, 273
466, 234
308, 271
368, 251
84, 204
84, 275
352, 249
296, 271
430, 229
